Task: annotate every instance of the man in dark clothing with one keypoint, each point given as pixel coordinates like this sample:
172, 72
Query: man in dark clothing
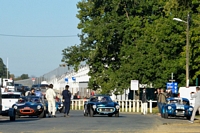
144, 101
23, 91
32, 93
67, 100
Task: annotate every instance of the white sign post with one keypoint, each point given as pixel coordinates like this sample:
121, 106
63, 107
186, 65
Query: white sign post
134, 86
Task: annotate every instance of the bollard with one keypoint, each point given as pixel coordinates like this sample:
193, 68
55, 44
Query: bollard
72, 104
130, 105
76, 103
79, 104
150, 106
133, 105
122, 106
126, 106
137, 105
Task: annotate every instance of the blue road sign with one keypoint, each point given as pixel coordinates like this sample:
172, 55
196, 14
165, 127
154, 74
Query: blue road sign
74, 78
173, 86
66, 79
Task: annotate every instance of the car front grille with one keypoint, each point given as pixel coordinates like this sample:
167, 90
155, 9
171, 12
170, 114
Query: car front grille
105, 109
26, 111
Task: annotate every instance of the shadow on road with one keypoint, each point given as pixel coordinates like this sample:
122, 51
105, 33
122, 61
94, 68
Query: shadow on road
24, 119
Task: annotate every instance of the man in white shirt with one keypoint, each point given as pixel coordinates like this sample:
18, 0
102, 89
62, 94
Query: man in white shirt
50, 96
197, 102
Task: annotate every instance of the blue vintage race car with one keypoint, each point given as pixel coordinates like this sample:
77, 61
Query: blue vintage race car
102, 105
30, 106
177, 107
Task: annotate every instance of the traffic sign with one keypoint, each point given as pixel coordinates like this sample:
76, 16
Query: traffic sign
134, 84
173, 86
33, 79
66, 79
74, 78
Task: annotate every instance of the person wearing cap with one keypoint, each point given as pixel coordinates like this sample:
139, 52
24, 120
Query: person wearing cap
197, 103
50, 96
66, 100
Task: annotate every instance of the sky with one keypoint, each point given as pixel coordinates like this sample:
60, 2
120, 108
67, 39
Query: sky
36, 55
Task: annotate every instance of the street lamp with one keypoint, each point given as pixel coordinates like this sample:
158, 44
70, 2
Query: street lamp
187, 47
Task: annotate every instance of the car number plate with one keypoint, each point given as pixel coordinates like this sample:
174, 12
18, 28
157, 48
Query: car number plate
26, 107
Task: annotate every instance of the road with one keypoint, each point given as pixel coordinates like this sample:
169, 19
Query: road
127, 122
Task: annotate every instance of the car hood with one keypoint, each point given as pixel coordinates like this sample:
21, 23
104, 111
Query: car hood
27, 104
105, 104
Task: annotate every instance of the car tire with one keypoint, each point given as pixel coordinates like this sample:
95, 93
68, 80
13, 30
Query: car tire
117, 114
62, 110
42, 114
12, 118
166, 115
91, 112
188, 117
109, 115
85, 113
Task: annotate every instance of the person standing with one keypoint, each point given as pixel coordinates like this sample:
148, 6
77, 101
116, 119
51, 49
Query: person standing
67, 100
161, 99
144, 101
23, 91
50, 96
197, 103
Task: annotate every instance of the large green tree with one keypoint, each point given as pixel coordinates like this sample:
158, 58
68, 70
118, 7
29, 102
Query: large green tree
3, 70
123, 40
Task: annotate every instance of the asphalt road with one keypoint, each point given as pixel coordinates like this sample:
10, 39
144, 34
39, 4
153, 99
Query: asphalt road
77, 123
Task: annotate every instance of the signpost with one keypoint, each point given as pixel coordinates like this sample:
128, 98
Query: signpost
33, 79
134, 86
74, 78
173, 86
66, 80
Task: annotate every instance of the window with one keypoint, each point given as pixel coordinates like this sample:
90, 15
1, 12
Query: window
10, 96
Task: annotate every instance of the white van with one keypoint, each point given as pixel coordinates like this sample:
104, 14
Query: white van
8, 99
184, 92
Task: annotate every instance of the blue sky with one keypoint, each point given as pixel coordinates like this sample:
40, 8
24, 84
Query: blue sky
36, 56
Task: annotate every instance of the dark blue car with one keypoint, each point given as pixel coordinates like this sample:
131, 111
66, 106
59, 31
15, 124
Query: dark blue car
101, 105
177, 107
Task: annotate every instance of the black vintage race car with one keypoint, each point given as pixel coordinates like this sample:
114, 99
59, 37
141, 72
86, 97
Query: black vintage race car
30, 106
102, 105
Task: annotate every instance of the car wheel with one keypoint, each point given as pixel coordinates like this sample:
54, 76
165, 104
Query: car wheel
188, 117
12, 118
85, 113
62, 110
117, 114
166, 115
109, 115
162, 115
42, 114
91, 112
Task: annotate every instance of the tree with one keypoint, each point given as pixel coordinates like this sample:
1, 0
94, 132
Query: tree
3, 70
123, 40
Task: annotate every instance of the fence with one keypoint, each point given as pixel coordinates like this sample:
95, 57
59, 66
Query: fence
125, 105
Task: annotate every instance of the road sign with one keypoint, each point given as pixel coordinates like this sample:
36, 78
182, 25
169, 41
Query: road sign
66, 79
33, 79
134, 84
173, 86
74, 78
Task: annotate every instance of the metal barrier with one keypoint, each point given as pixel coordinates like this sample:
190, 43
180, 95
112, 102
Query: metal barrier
125, 105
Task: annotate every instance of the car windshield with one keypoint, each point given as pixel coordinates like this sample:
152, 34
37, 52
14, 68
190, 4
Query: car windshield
179, 101
101, 99
10, 84
10, 96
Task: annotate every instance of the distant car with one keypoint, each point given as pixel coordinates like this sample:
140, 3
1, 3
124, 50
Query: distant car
18, 86
30, 106
177, 107
102, 105
8, 99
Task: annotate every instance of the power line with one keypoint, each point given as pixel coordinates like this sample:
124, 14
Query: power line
8, 35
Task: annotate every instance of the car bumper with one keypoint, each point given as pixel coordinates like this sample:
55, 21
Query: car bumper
106, 110
183, 113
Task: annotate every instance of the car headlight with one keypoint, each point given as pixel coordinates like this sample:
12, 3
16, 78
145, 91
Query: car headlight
39, 107
94, 106
15, 107
117, 106
61, 104
190, 109
169, 107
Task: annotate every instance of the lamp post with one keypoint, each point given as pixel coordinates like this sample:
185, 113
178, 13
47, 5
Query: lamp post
187, 47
